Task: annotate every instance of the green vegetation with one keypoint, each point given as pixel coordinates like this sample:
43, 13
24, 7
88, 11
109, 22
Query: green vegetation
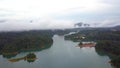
12, 43
112, 49
108, 42
116, 61
94, 35
31, 57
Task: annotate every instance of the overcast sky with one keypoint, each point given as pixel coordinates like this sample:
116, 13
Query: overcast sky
51, 14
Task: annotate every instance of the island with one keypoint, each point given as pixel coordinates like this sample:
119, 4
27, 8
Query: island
31, 57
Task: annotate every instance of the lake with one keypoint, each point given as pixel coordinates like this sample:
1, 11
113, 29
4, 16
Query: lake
62, 54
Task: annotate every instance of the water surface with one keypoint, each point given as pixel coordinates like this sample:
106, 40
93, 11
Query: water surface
62, 54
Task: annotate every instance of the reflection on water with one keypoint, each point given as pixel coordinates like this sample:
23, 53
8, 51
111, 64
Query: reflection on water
86, 44
31, 57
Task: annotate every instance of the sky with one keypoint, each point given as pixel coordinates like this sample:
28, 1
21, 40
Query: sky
57, 14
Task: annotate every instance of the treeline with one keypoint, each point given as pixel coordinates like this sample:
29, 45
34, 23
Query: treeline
94, 35
108, 41
12, 43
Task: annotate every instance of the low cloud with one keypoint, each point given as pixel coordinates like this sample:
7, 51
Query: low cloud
109, 23
18, 25
55, 14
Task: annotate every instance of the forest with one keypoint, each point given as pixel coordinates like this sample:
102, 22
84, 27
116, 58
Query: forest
12, 43
107, 39
108, 42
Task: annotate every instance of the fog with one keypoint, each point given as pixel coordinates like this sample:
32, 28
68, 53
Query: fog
18, 25
17, 15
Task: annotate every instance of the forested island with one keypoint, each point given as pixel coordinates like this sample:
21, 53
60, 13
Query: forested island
31, 57
107, 39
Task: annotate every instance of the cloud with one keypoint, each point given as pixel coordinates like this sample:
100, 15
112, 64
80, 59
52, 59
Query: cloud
18, 25
3, 21
40, 8
57, 14
109, 23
